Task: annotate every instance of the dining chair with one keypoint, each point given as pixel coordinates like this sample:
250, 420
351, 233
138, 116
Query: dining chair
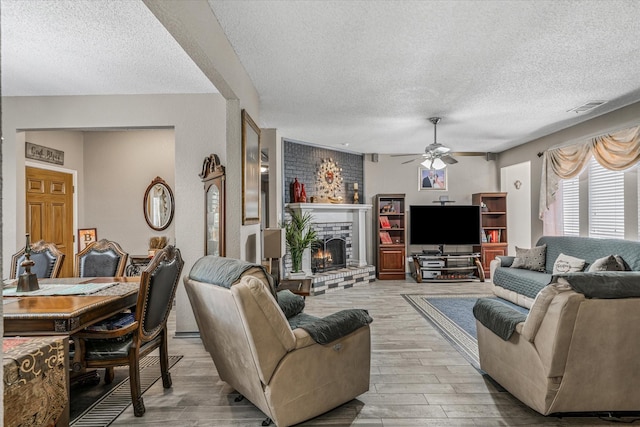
127, 337
46, 256
103, 258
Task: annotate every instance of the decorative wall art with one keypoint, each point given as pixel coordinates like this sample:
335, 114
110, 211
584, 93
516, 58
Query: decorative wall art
329, 181
432, 179
250, 170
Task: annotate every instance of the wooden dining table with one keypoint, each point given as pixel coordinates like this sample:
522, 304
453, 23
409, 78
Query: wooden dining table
27, 314
64, 306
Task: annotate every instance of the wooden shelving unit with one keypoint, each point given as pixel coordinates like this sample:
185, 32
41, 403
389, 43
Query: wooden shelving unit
494, 227
390, 236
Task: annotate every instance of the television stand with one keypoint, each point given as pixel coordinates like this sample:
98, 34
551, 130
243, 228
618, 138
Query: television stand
458, 267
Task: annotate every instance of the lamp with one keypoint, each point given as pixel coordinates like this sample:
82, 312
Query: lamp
273, 248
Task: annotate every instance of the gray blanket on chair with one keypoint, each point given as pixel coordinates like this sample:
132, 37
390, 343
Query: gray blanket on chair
223, 272
604, 284
332, 327
497, 317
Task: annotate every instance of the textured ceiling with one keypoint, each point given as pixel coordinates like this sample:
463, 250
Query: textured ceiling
91, 47
370, 73
363, 73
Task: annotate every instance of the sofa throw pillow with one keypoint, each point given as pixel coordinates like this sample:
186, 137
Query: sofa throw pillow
290, 303
609, 263
567, 264
530, 259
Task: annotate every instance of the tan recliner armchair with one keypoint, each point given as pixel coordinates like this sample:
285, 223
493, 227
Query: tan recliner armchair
575, 352
284, 372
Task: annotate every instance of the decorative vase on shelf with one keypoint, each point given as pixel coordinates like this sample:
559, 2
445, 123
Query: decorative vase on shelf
303, 195
296, 191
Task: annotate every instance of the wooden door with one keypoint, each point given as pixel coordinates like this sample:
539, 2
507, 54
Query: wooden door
49, 196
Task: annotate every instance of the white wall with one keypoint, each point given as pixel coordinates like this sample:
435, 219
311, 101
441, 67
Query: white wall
119, 165
518, 204
115, 168
388, 175
199, 123
194, 26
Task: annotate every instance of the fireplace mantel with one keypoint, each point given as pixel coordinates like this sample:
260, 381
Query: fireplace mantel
329, 212
331, 207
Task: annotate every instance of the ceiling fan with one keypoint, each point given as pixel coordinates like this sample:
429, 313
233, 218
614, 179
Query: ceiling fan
436, 155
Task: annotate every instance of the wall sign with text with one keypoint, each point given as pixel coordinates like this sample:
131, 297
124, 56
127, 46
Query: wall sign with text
44, 154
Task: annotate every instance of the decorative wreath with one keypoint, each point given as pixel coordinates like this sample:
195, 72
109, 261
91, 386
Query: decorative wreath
329, 180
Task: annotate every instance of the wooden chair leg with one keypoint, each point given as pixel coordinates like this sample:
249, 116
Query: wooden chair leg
109, 374
134, 383
164, 361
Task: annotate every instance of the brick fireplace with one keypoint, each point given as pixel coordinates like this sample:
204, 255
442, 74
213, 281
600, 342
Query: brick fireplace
336, 224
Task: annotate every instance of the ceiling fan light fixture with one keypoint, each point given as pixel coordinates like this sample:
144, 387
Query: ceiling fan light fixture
426, 164
438, 164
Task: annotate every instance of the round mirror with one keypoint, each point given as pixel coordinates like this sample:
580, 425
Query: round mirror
158, 204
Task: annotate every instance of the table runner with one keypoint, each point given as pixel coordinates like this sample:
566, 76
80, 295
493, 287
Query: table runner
58, 289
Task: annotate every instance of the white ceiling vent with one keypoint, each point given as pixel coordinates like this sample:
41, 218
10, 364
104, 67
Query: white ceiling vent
588, 106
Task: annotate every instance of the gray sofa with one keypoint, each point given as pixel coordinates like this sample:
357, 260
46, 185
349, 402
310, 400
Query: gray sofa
521, 286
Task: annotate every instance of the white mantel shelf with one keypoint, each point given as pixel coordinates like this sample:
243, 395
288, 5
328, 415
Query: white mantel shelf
327, 207
338, 212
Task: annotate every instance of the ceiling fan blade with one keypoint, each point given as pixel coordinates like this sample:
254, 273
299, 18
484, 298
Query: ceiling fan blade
449, 160
408, 161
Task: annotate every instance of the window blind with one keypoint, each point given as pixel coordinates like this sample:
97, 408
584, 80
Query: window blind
606, 202
570, 207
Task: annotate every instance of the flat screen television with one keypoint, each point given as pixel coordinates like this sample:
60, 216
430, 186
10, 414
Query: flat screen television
444, 225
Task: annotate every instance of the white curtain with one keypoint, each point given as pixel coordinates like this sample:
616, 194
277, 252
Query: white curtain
616, 151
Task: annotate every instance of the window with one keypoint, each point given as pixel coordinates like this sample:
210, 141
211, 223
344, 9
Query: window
606, 202
570, 207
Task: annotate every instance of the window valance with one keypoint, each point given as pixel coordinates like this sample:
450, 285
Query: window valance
616, 151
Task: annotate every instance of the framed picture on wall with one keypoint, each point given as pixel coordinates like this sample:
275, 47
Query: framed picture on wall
86, 236
250, 170
432, 179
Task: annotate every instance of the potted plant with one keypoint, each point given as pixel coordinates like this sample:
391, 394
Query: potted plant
299, 236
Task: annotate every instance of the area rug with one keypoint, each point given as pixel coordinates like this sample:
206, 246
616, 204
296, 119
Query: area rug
109, 405
452, 316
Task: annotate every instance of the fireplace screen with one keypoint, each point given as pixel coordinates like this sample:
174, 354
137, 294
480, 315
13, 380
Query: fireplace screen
328, 254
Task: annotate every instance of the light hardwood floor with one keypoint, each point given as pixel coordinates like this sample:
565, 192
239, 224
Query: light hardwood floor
417, 378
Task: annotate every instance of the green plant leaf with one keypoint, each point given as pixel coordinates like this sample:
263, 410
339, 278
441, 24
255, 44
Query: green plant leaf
299, 235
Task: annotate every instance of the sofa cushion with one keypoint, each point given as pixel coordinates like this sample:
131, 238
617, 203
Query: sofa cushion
290, 303
530, 259
568, 264
604, 284
524, 282
608, 263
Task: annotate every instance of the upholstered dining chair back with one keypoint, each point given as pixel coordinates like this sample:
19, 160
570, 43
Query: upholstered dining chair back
46, 256
124, 339
158, 285
103, 258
